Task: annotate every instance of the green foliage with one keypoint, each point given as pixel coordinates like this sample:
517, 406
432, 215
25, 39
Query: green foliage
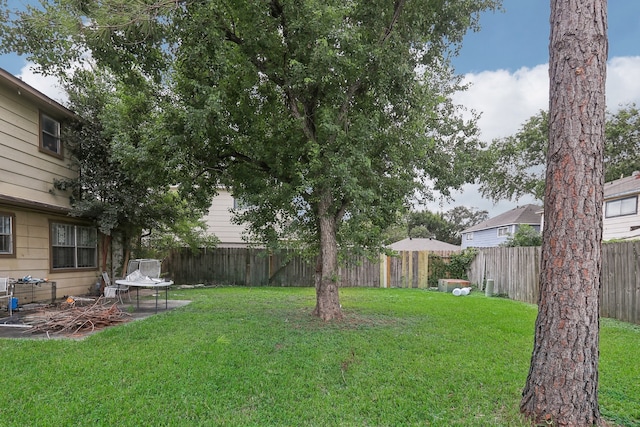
124, 182
462, 217
438, 269
307, 110
445, 227
622, 144
429, 225
459, 264
525, 235
184, 232
515, 165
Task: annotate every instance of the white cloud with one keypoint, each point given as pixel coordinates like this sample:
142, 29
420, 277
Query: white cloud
623, 85
504, 99
48, 85
507, 99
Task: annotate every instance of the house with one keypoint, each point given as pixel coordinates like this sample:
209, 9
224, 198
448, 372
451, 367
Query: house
621, 217
431, 245
497, 230
218, 220
37, 236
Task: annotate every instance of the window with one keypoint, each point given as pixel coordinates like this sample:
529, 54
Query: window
7, 235
50, 135
73, 246
469, 236
621, 207
240, 204
503, 231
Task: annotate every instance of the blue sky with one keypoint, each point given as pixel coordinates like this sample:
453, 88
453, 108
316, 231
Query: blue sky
519, 36
506, 65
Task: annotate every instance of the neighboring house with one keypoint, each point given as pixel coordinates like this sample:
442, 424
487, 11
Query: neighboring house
621, 217
37, 237
431, 245
218, 220
497, 230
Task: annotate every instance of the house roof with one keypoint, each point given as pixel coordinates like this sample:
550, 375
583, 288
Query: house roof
622, 187
12, 82
527, 214
410, 244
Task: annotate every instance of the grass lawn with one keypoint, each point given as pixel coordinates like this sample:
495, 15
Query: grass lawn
255, 357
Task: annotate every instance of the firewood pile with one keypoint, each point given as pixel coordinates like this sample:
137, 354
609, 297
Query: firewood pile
71, 319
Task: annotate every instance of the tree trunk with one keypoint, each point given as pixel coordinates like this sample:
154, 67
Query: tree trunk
327, 279
562, 386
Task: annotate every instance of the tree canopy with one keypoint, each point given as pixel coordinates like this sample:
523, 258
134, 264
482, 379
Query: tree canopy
324, 116
516, 164
446, 226
121, 184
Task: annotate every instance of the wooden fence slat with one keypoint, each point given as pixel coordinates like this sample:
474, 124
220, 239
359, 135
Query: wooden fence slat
516, 273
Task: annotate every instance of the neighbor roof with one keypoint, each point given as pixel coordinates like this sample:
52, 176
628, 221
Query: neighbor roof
528, 214
623, 186
423, 245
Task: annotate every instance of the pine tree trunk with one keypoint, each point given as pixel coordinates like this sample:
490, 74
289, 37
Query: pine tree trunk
327, 279
562, 386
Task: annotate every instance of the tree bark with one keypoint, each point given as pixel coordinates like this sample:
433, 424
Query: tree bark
327, 278
562, 385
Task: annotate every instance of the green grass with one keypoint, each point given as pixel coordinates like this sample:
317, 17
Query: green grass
255, 357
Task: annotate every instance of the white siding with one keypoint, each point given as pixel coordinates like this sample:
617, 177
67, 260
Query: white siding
219, 223
620, 227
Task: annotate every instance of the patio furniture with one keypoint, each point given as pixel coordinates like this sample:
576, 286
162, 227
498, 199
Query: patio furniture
145, 273
6, 292
114, 291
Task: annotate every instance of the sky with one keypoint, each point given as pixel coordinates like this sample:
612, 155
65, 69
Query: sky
506, 65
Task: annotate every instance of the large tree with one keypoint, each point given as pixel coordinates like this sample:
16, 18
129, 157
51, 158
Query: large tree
323, 116
562, 385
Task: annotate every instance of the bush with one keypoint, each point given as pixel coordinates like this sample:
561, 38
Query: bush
438, 269
459, 263
525, 235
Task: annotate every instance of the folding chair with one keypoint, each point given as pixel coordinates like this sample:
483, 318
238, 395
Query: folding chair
8, 293
114, 291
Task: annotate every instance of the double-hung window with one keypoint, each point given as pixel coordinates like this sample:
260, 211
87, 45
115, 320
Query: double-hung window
504, 231
621, 207
50, 135
7, 235
73, 246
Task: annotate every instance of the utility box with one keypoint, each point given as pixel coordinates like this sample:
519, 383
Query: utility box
448, 285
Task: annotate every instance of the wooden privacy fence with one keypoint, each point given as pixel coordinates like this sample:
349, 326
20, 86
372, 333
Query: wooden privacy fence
516, 274
258, 267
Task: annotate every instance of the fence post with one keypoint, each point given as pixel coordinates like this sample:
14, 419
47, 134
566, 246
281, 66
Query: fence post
383, 271
423, 269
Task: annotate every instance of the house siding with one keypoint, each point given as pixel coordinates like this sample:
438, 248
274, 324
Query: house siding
32, 258
218, 221
26, 180
27, 173
489, 238
620, 227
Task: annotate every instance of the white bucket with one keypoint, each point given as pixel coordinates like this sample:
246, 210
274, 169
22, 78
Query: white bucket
457, 292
